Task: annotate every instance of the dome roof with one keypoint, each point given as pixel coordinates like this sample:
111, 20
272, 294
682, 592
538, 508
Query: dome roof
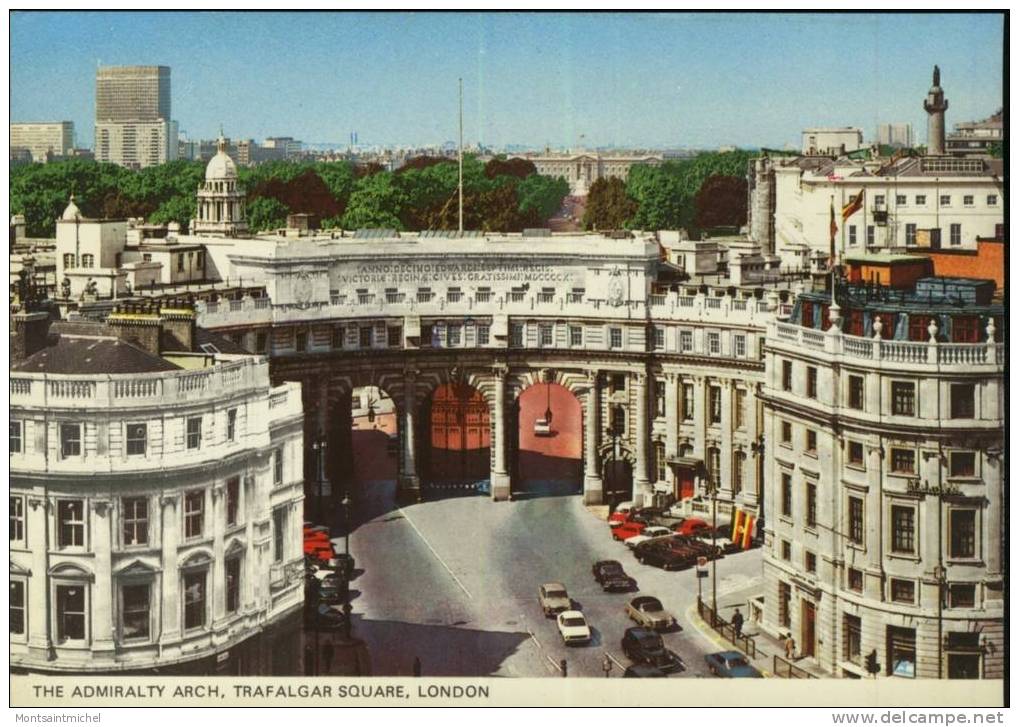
221, 166
71, 211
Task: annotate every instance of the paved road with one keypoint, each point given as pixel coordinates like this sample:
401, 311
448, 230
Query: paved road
454, 582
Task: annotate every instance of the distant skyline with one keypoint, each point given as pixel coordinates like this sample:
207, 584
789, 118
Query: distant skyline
564, 79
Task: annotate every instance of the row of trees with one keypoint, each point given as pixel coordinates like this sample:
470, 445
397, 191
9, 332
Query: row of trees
705, 191
503, 194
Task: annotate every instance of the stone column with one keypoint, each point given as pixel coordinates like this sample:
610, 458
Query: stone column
409, 484
593, 484
102, 587
500, 475
170, 531
218, 570
725, 450
700, 419
38, 527
641, 440
671, 422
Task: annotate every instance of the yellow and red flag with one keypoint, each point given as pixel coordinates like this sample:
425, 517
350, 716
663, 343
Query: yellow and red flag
853, 206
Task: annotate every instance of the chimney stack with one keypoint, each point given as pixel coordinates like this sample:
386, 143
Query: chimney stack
28, 334
178, 321
137, 324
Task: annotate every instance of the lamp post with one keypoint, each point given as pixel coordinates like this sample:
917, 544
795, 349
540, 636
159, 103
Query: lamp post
714, 554
319, 447
757, 447
345, 503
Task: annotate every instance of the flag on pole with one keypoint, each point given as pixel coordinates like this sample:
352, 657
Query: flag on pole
854, 205
832, 229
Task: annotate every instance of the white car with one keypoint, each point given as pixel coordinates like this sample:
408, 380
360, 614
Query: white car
573, 627
652, 531
676, 510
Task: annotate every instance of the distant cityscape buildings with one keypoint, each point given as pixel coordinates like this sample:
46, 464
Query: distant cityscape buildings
133, 124
831, 141
582, 168
897, 135
43, 141
976, 137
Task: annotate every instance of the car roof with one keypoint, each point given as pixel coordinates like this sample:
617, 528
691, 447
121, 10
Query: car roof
728, 654
640, 632
553, 586
646, 599
571, 614
609, 562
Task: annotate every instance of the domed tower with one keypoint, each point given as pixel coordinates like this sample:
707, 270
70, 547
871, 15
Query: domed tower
935, 105
220, 199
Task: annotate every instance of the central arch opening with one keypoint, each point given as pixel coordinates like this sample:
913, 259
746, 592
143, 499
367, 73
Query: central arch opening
374, 436
457, 458
546, 458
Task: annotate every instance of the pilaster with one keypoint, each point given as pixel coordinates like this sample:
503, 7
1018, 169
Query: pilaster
593, 484
500, 475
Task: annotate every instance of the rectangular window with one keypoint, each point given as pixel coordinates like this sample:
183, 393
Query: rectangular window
180, 263
233, 584
279, 529
811, 441
856, 392
517, 335
787, 495
903, 398
424, 295
714, 465
852, 234
955, 233
739, 345
618, 420
453, 295
921, 199
785, 596
262, 342
900, 199
365, 337
740, 408
852, 638
453, 338
277, 466
71, 524
576, 336
194, 432
17, 518
903, 461
615, 338
194, 513
811, 505
903, 529
714, 404
992, 200
686, 341
136, 439
134, 617
394, 336
483, 295
962, 403
483, 334
233, 500
714, 344
70, 440
194, 600
809, 562
903, 591
659, 338
660, 465
811, 382
15, 437
965, 329
787, 433
659, 399
231, 425
738, 463
17, 607
855, 454
70, 613
962, 529
688, 402
879, 200
870, 235
962, 595
301, 341
967, 200
855, 580
787, 550
962, 464
545, 334
856, 520
910, 233
945, 200
135, 518
901, 652
787, 376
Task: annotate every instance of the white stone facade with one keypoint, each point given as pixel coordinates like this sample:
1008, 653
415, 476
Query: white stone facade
582, 169
155, 518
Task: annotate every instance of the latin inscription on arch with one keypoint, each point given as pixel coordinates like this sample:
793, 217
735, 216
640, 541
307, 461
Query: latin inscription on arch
457, 272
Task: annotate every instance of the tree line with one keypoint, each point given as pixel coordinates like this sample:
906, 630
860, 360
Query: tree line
502, 194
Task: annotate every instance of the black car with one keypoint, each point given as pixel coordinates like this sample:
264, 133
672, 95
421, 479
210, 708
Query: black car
644, 646
612, 577
660, 555
638, 671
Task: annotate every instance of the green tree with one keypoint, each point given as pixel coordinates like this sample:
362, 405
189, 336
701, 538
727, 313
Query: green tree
266, 213
377, 201
500, 166
608, 206
722, 201
540, 197
660, 197
180, 209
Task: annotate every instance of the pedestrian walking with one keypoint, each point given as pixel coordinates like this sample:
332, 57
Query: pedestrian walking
737, 623
327, 656
790, 646
417, 667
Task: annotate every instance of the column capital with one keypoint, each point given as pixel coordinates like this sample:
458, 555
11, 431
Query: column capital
500, 371
165, 500
671, 377
640, 378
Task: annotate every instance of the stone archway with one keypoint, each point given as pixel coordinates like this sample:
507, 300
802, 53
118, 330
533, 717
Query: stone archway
617, 466
547, 451
456, 449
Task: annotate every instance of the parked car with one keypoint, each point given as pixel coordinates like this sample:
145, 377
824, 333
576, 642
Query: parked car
553, 599
573, 627
692, 526
612, 577
651, 531
638, 671
676, 510
643, 646
661, 555
648, 611
627, 530
731, 664
621, 512
722, 540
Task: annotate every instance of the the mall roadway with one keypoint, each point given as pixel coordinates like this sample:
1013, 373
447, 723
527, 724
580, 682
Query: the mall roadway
454, 583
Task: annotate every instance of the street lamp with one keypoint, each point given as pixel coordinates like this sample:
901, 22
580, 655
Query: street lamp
319, 447
345, 503
757, 448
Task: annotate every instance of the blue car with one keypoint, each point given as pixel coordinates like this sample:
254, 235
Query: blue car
731, 664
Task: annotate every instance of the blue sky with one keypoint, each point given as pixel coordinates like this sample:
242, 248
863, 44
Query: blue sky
656, 80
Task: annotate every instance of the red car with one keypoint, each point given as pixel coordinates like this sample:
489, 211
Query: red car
622, 513
627, 530
693, 526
